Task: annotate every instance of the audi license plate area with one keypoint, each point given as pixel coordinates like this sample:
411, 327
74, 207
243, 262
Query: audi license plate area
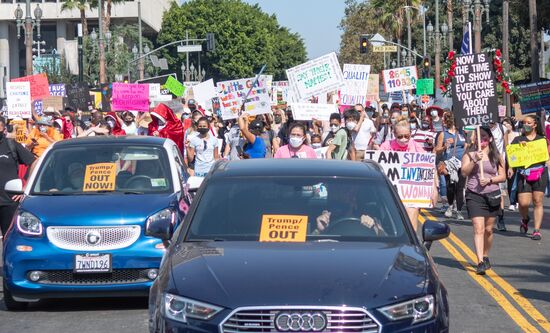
92, 263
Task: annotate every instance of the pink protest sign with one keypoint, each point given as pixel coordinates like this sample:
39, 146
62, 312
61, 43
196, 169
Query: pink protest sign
129, 96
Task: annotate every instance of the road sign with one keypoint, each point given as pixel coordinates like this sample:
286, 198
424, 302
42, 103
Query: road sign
384, 48
189, 48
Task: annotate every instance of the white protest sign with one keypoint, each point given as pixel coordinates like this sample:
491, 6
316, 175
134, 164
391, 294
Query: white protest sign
19, 99
279, 92
411, 173
356, 84
308, 111
321, 153
399, 79
315, 77
232, 94
204, 91
154, 91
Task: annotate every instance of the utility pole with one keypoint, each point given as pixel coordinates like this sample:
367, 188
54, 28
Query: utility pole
450, 23
437, 47
409, 40
80, 54
141, 61
506, 49
102, 69
188, 76
424, 25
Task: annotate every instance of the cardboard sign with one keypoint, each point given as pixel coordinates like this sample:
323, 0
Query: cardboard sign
20, 127
100, 177
534, 96
174, 86
40, 87
373, 87
400, 79
356, 78
308, 111
232, 93
19, 99
130, 96
411, 173
315, 77
475, 100
58, 90
424, 87
533, 152
78, 96
283, 228
56, 102
204, 91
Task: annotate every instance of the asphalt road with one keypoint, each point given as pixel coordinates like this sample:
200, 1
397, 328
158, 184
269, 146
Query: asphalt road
513, 297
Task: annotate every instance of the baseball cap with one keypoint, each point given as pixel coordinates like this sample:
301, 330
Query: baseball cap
256, 125
191, 102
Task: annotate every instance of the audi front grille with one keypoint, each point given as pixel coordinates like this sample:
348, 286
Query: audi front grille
300, 319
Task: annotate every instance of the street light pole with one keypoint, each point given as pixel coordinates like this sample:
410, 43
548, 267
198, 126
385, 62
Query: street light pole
409, 40
28, 27
102, 69
506, 50
477, 11
437, 59
141, 61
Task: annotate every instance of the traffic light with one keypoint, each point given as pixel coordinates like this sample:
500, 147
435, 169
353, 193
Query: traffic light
210, 42
363, 44
426, 63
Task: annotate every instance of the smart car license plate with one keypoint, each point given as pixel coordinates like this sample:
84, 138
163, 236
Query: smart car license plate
92, 263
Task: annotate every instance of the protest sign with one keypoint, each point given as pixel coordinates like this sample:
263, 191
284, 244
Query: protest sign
283, 228
424, 87
78, 96
356, 82
502, 111
475, 100
308, 111
315, 77
321, 153
161, 80
20, 127
57, 90
56, 102
534, 97
400, 79
411, 173
154, 91
100, 177
174, 86
19, 99
531, 153
232, 94
38, 106
130, 96
373, 87
106, 96
39, 85
204, 91
279, 93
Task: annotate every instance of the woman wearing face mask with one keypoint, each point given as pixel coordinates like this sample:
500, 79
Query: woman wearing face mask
203, 149
403, 143
530, 182
165, 124
128, 124
437, 122
483, 192
115, 124
297, 147
42, 136
424, 135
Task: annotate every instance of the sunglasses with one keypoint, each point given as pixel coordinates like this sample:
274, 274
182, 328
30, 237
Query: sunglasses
404, 136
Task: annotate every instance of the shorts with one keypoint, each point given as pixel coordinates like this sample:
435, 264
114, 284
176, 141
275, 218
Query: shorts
529, 187
478, 206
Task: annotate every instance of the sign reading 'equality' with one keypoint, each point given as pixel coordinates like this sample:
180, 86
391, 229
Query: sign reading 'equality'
356, 78
475, 100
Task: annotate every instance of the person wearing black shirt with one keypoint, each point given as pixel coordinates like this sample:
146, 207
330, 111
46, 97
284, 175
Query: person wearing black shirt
9, 167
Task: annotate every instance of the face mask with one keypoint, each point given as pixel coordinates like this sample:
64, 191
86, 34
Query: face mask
161, 123
351, 125
425, 126
434, 113
111, 123
315, 145
527, 128
278, 119
484, 144
43, 129
129, 121
202, 130
413, 126
403, 142
334, 128
393, 121
405, 114
370, 113
185, 116
296, 142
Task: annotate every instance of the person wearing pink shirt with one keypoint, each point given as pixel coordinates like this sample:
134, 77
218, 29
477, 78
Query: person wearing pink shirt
297, 146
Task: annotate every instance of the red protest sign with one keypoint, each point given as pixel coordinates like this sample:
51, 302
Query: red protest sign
40, 87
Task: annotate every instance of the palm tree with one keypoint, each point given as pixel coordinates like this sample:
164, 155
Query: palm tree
81, 5
392, 15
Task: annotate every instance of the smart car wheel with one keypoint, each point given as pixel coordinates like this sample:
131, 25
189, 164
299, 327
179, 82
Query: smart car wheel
10, 303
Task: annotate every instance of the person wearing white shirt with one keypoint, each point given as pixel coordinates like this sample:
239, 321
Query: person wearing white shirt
362, 133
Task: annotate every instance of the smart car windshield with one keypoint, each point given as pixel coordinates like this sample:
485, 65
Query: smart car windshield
93, 169
292, 209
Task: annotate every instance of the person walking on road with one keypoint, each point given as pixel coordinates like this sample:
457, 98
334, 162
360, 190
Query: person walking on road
485, 169
530, 182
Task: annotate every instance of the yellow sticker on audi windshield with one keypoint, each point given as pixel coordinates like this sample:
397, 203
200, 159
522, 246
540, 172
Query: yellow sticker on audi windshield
100, 177
283, 228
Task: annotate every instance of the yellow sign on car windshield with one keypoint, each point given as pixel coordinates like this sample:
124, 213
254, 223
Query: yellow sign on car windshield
100, 177
283, 228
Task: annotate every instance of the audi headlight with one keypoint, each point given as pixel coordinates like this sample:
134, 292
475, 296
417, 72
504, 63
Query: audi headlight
180, 308
29, 224
419, 309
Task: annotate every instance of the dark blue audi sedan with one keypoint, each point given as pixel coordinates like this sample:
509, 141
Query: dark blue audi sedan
297, 246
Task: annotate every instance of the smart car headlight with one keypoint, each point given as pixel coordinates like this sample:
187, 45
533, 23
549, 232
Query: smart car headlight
420, 309
165, 214
29, 224
180, 308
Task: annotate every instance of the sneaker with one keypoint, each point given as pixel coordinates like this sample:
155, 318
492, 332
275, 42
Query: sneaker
480, 270
512, 208
524, 227
536, 235
443, 208
500, 224
487, 262
449, 212
459, 216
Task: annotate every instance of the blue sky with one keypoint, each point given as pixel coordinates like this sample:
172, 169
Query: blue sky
315, 20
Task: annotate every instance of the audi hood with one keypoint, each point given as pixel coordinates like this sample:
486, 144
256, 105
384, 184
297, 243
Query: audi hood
234, 274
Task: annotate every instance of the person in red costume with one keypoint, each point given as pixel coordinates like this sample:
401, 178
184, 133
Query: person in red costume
166, 125
115, 123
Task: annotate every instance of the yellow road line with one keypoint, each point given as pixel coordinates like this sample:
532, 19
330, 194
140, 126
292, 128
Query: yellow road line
501, 300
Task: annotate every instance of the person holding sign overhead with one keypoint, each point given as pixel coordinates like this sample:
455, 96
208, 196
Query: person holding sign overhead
484, 166
531, 180
255, 146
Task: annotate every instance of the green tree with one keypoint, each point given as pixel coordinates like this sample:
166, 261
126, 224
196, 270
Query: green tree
246, 38
81, 6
